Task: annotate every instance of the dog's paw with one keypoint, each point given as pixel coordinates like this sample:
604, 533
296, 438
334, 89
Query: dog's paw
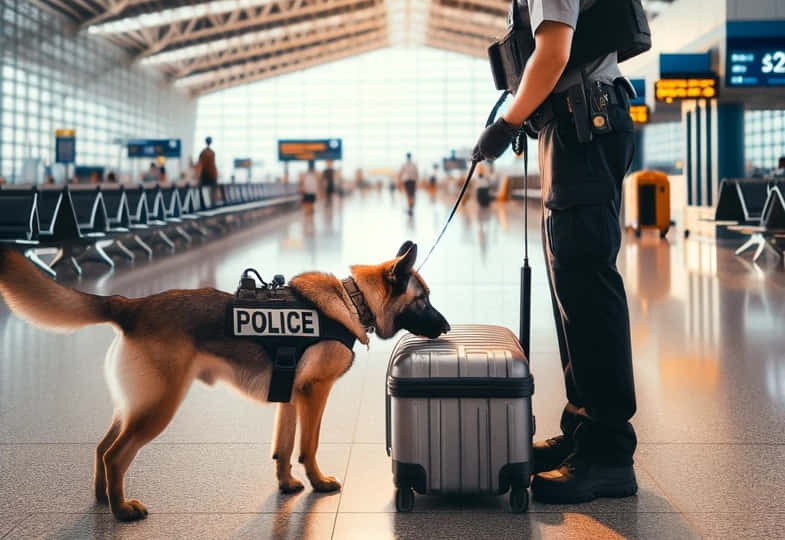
328, 484
130, 511
291, 486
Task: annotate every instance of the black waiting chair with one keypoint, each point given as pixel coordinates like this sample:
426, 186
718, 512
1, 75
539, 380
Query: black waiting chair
139, 217
740, 201
156, 214
190, 207
173, 211
769, 231
19, 225
119, 218
93, 222
59, 226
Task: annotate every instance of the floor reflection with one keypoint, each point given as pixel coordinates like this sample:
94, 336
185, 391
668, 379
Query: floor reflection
708, 350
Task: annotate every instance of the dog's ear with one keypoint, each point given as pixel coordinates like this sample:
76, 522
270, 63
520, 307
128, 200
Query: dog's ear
404, 248
402, 266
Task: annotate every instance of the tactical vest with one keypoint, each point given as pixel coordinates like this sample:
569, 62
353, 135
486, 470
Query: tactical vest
607, 26
284, 323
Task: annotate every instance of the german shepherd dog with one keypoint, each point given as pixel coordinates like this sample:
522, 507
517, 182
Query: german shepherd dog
166, 341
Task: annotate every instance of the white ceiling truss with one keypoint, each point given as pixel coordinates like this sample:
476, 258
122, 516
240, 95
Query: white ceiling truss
205, 45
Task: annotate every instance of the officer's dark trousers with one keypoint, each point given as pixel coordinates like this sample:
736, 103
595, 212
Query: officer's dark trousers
581, 233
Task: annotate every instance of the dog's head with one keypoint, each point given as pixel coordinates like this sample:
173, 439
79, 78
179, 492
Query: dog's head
398, 296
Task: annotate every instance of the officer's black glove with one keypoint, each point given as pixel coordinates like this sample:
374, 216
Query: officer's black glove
493, 142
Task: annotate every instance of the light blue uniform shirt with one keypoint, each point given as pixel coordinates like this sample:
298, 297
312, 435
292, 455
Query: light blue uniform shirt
605, 69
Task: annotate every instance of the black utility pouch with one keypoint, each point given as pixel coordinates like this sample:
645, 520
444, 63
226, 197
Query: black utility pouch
508, 55
497, 67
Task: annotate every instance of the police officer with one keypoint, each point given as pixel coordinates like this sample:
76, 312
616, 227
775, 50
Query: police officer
581, 185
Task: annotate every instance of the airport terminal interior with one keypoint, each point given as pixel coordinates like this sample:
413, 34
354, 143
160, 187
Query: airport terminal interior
147, 146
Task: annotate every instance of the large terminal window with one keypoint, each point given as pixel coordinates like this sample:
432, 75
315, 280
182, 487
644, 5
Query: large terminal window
52, 78
381, 104
764, 139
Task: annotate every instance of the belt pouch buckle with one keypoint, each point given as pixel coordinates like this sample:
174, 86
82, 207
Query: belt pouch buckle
576, 99
282, 378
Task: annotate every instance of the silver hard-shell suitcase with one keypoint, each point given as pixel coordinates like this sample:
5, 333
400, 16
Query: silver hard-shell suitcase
459, 412
459, 415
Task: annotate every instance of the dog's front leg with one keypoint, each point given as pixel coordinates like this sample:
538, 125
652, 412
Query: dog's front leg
283, 446
311, 400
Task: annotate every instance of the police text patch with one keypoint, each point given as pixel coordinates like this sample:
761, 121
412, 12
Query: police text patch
275, 322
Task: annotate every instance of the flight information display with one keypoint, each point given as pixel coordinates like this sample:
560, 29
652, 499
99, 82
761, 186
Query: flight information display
755, 54
670, 90
153, 148
311, 149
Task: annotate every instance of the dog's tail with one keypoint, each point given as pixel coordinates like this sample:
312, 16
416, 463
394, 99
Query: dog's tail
45, 303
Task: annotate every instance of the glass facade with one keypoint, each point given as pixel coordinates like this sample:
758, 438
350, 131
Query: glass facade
52, 77
664, 147
383, 104
764, 138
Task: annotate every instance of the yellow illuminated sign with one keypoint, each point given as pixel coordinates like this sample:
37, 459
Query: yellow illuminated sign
668, 90
639, 114
65, 133
303, 151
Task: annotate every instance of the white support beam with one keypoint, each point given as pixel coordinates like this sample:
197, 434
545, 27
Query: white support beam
359, 23
305, 64
180, 32
251, 71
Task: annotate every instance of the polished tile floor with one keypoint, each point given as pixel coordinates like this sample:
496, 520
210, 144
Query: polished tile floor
709, 363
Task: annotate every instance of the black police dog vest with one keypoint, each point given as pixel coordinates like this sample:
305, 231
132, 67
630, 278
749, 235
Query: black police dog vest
285, 324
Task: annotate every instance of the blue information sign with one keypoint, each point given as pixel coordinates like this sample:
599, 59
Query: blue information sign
65, 146
153, 148
755, 54
640, 89
454, 164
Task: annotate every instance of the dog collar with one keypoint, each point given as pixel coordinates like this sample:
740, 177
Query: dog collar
356, 296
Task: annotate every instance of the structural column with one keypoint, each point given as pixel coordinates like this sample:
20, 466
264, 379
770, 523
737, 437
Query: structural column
714, 150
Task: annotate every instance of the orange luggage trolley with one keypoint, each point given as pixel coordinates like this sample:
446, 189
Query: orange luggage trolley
647, 202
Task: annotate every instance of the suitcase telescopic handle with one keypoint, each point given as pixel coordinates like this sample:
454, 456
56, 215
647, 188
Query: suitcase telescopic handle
521, 148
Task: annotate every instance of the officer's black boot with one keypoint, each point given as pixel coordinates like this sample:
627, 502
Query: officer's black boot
549, 454
580, 479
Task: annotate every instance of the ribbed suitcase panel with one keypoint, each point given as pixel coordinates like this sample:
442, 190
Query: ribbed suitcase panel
462, 443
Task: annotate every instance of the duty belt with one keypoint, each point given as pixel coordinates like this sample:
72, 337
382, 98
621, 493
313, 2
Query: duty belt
558, 105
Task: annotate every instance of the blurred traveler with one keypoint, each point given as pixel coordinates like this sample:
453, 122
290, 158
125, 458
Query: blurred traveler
206, 173
152, 174
328, 179
407, 178
309, 187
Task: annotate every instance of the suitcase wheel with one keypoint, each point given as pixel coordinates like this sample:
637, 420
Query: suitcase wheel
519, 500
404, 499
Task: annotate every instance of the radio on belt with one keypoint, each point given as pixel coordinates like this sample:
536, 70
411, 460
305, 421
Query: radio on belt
284, 323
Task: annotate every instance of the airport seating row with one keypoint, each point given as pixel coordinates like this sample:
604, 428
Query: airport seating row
754, 208
80, 222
